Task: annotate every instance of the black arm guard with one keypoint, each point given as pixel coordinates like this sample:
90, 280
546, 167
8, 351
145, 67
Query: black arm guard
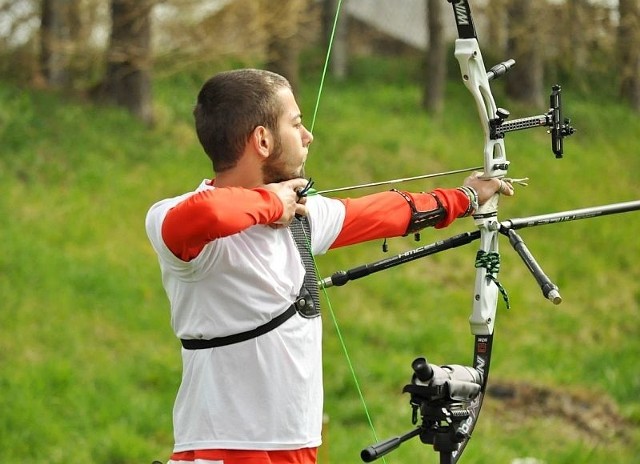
421, 219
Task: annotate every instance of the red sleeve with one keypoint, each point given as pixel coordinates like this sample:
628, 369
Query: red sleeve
387, 214
215, 213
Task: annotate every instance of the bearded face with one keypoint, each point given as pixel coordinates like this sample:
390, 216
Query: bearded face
281, 165
291, 142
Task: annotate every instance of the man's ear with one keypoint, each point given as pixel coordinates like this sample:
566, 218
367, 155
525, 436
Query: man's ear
262, 141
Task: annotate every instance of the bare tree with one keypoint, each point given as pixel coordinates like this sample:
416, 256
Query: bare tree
127, 80
524, 81
329, 8
340, 48
579, 20
495, 12
579, 42
436, 63
629, 51
54, 39
65, 55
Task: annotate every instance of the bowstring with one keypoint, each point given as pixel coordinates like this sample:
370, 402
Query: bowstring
324, 290
326, 64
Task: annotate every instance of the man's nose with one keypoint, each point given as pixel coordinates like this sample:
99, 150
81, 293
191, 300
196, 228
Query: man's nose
308, 136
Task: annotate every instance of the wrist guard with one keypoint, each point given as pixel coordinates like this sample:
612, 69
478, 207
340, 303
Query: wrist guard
472, 195
421, 219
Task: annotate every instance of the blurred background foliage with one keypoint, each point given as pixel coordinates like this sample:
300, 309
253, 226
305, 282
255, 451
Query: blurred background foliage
95, 125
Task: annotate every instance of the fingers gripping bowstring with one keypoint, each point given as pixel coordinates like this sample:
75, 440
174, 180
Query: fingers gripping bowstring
308, 239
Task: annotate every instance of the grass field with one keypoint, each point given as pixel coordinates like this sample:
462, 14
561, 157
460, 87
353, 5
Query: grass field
89, 366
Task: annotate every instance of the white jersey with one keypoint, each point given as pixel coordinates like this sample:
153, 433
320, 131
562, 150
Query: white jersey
264, 393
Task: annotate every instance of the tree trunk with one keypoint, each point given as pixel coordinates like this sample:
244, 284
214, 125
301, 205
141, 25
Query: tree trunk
283, 22
54, 40
436, 63
579, 18
629, 52
127, 81
497, 30
339, 62
329, 8
524, 81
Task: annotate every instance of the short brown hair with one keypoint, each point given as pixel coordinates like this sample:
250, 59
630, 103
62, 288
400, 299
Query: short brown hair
230, 106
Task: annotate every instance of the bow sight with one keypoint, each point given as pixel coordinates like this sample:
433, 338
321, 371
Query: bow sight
560, 128
476, 78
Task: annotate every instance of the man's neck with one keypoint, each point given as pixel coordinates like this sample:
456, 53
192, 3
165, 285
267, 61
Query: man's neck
240, 176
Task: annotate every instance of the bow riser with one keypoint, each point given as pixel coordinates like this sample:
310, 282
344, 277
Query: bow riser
474, 77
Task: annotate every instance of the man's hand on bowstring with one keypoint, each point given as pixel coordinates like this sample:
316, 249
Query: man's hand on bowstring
292, 203
487, 188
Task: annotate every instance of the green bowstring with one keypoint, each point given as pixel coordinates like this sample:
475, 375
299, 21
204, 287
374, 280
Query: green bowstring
343, 345
326, 295
326, 65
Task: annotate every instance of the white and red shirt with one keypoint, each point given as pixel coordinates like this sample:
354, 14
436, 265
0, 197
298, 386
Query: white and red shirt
226, 271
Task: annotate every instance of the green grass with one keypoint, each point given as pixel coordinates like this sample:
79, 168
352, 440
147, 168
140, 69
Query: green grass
89, 366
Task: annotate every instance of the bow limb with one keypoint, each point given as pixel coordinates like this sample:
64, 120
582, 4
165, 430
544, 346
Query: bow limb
474, 76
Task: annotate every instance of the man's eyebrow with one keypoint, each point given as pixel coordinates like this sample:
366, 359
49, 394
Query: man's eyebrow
296, 116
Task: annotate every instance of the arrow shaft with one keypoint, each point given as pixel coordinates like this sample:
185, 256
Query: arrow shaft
397, 181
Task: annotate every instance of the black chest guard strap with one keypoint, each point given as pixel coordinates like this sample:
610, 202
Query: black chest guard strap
307, 303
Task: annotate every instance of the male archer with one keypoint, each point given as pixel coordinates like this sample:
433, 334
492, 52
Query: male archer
234, 255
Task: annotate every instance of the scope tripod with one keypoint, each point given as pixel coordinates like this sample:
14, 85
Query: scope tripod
442, 426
